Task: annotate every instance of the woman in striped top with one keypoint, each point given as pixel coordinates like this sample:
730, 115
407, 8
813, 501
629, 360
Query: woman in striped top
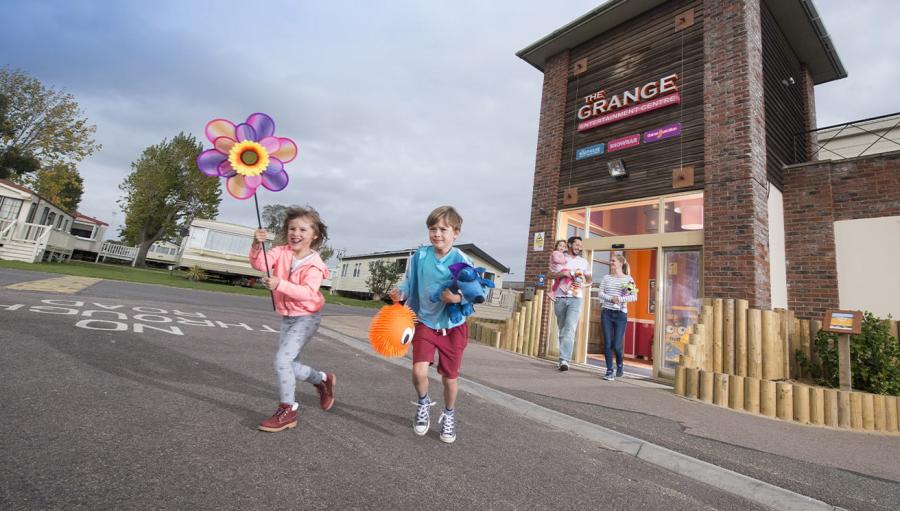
616, 290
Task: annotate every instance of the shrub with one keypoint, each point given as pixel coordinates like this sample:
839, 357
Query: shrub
196, 274
874, 359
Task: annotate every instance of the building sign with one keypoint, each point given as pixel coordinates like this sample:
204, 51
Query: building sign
624, 142
600, 110
538, 242
842, 322
667, 131
589, 151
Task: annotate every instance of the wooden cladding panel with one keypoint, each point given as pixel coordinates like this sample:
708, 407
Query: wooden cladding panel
783, 100
640, 51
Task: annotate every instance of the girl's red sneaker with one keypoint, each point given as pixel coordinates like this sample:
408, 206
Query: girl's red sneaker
285, 417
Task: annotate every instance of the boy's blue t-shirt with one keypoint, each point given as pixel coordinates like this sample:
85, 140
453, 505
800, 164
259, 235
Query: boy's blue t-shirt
427, 274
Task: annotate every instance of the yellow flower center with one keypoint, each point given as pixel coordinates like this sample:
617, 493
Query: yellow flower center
248, 158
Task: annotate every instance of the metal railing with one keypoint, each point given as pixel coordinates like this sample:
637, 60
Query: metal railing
853, 139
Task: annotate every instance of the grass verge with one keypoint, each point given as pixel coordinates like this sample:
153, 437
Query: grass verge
159, 277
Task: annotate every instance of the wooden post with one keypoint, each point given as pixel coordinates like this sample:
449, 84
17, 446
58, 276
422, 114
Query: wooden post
751, 394
817, 405
795, 345
536, 329
804, 342
844, 361
498, 335
801, 403
718, 334
868, 412
785, 400
769, 342
519, 323
891, 405
814, 326
706, 386
786, 343
845, 410
520, 334
679, 380
720, 389
708, 337
736, 392
529, 307
740, 337
856, 410
728, 346
880, 414
767, 398
754, 343
692, 383
831, 408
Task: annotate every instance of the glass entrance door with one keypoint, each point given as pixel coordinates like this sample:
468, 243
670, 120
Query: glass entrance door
681, 269
638, 342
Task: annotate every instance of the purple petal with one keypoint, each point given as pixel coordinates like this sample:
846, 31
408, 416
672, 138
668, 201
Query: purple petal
275, 166
263, 124
275, 181
208, 162
245, 132
225, 169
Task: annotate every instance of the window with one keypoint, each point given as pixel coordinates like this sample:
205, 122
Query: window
9, 208
44, 216
50, 219
625, 219
344, 270
31, 212
198, 237
59, 221
82, 231
356, 269
573, 222
228, 243
684, 213
401, 265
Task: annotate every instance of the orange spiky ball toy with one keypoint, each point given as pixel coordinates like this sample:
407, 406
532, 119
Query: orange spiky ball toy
392, 330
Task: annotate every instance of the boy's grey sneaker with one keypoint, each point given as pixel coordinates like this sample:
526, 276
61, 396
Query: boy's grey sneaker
563, 365
423, 417
448, 427
609, 376
619, 372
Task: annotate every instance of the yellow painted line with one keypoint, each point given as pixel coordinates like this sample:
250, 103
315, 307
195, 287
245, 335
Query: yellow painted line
67, 285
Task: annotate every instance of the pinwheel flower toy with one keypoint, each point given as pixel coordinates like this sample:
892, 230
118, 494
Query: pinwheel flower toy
247, 155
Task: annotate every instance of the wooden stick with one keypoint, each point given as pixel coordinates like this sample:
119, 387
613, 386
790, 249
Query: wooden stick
706, 386
856, 410
880, 413
845, 409
679, 380
754, 343
720, 389
831, 408
785, 401
801, 403
817, 405
740, 337
708, 337
891, 405
770, 359
718, 334
795, 345
692, 383
728, 346
736, 392
767, 398
868, 412
751, 395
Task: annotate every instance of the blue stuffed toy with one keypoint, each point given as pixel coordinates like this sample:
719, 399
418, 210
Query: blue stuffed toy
469, 282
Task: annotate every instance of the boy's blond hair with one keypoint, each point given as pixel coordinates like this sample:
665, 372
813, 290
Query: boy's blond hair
447, 214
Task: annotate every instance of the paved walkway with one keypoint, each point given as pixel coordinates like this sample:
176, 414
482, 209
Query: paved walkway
848, 469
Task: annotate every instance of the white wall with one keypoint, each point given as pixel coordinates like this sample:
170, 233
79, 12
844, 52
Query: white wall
868, 264
777, 264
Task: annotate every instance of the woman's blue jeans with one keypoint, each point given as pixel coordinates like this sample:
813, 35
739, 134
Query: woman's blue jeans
613, 324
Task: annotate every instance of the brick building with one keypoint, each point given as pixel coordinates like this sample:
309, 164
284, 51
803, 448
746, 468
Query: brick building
682, 134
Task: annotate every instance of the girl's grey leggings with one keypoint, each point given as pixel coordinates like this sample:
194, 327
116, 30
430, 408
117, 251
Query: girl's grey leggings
296, 331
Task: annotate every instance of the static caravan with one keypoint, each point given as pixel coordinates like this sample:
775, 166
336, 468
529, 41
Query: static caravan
32, 229
219, 248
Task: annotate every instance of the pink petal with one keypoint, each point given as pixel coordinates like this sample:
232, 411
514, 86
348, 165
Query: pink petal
271, 144
287, 152
224, 144
219, 128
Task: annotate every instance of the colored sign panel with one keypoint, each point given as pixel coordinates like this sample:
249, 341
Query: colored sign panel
538, 245
662, 133
842, 322
625, 113
624, 142
590, 151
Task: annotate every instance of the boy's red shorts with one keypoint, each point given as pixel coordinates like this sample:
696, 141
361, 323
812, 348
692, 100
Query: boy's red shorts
449, 346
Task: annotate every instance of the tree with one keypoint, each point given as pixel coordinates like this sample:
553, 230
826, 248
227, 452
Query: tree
13, 162
273, 220
42, 126
60, 184
383, 274
165, 192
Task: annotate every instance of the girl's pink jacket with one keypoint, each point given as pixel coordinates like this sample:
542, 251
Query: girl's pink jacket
298, 292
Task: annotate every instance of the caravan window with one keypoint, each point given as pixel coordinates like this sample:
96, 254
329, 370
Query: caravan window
228, 243
9, 208
198, 237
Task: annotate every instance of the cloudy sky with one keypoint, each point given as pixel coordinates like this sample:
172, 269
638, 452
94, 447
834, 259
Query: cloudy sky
397, 106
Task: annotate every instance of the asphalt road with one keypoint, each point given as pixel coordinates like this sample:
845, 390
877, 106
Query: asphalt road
130, 396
